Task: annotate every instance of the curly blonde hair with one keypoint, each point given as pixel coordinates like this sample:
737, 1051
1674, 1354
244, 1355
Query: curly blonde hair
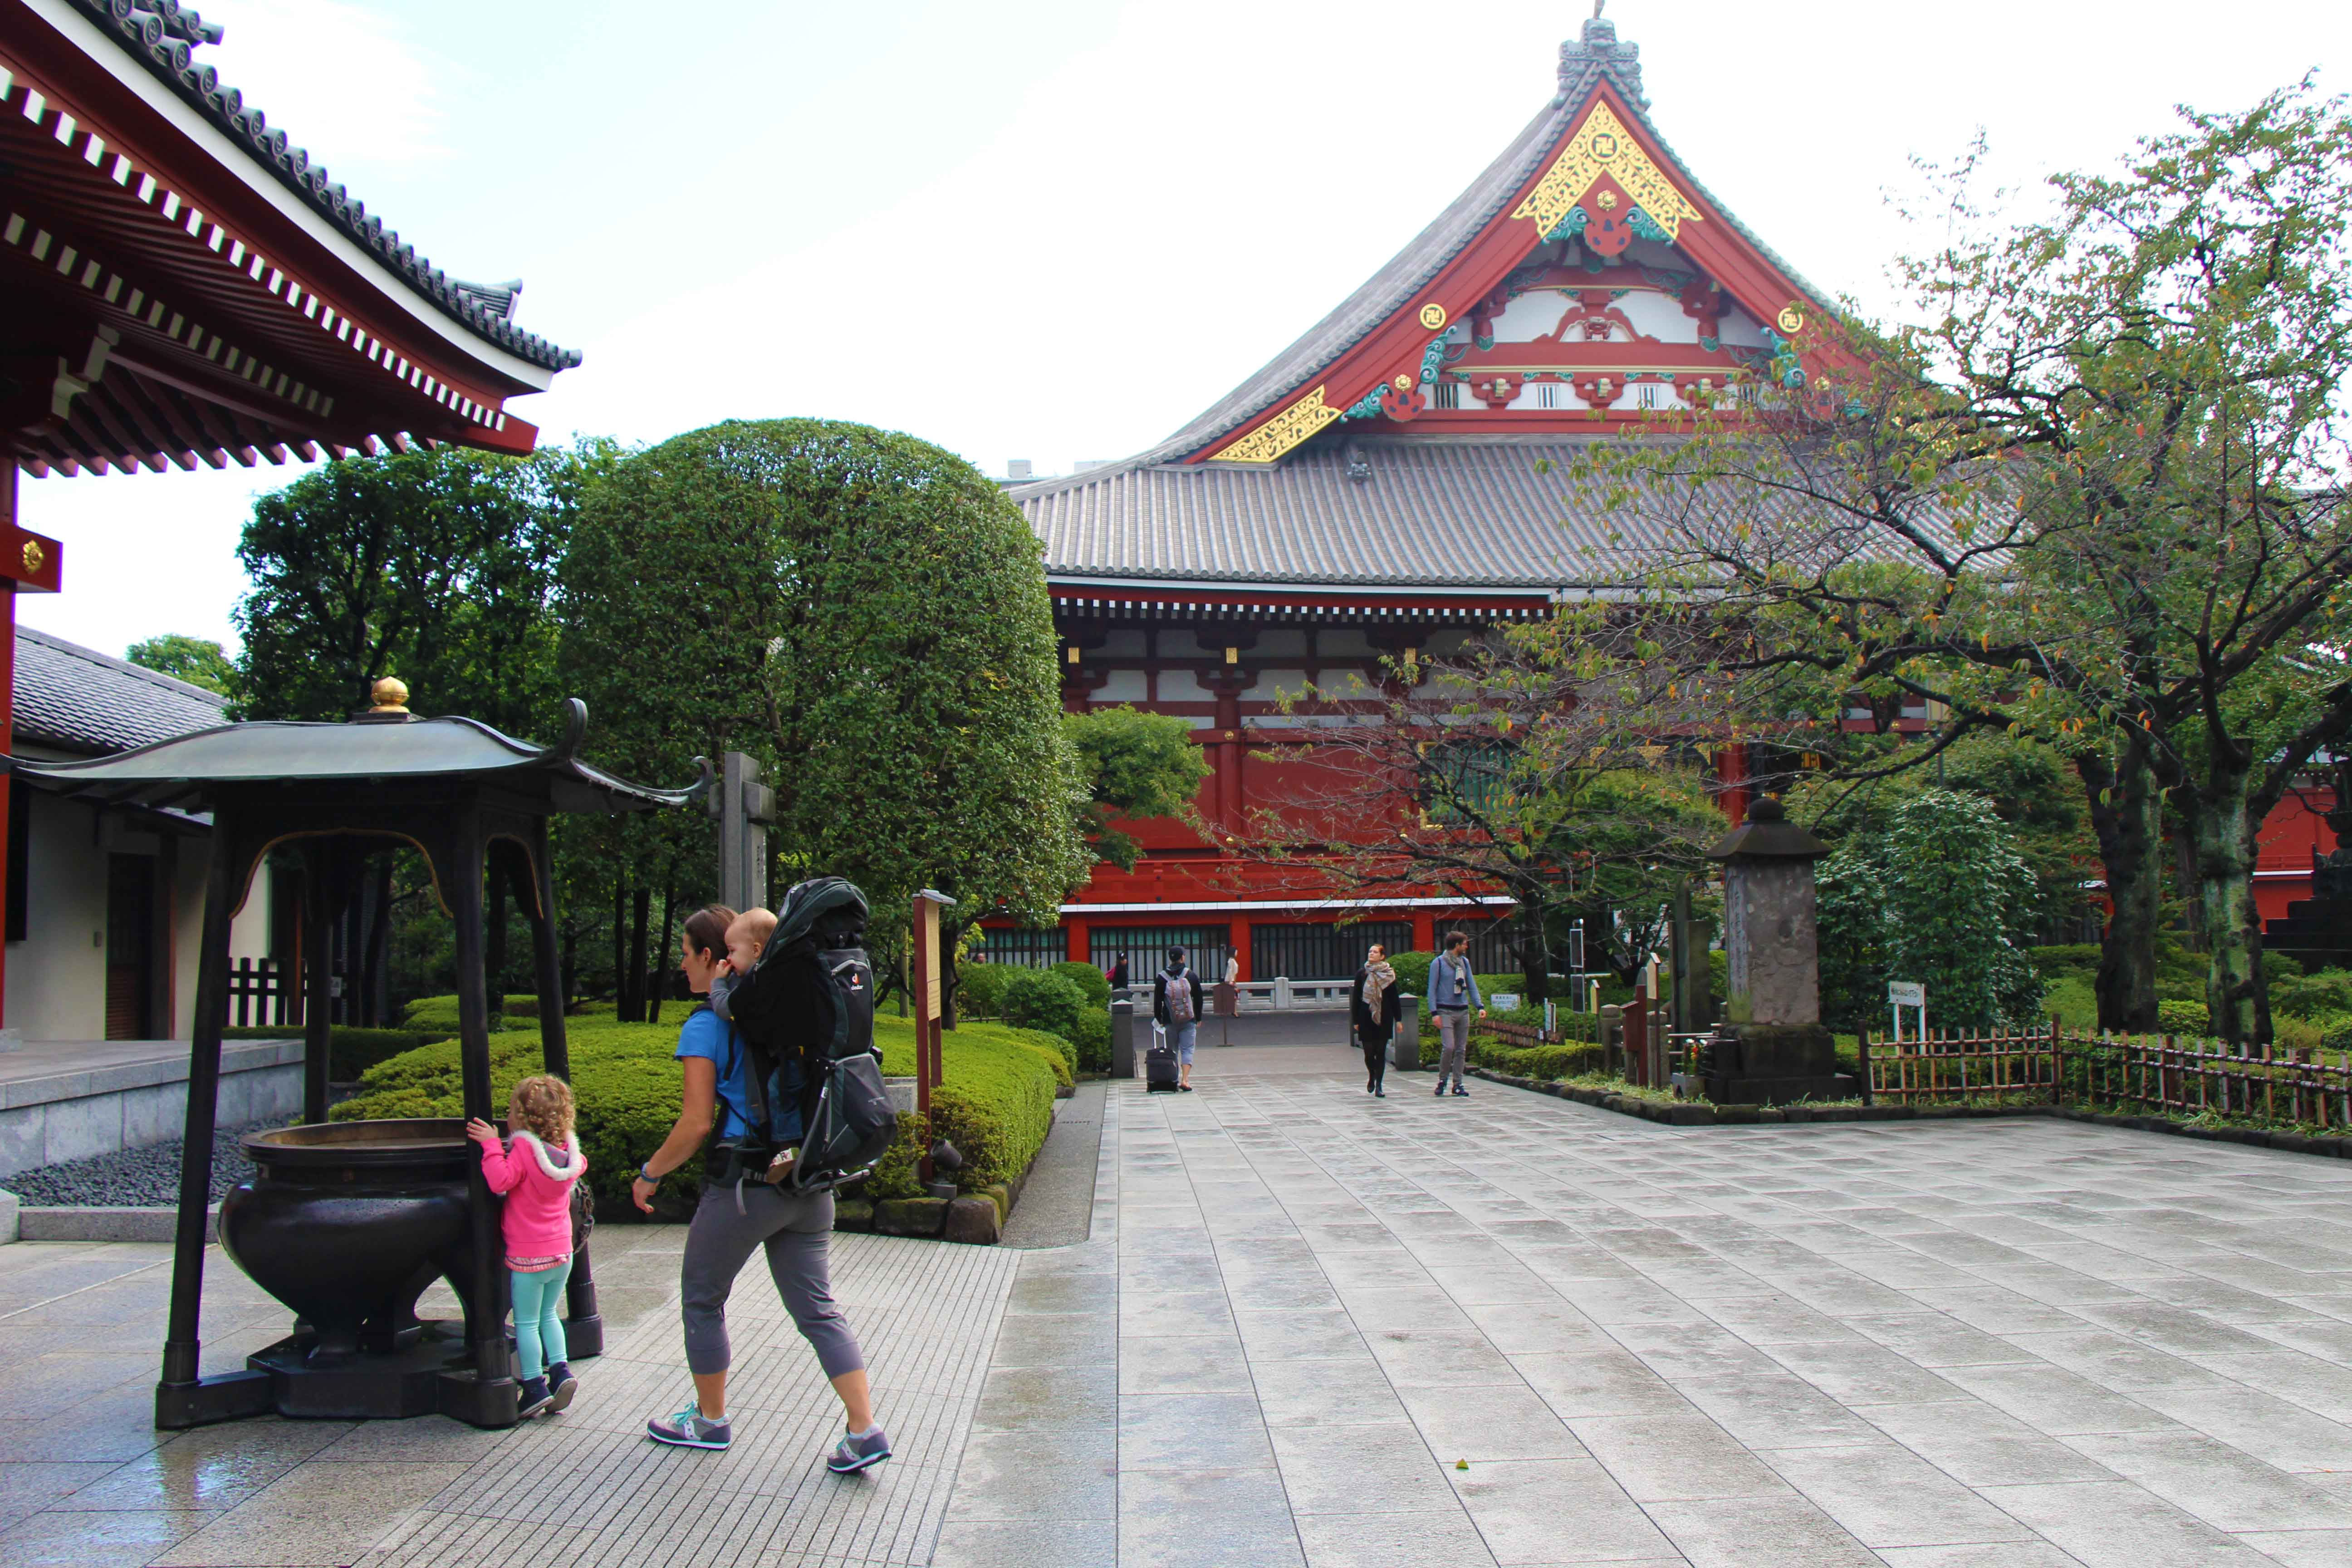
542, 1106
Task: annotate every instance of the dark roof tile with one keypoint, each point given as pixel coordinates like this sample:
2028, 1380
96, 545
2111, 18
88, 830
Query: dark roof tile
78, 699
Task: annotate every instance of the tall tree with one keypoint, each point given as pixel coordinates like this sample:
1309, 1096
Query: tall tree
199, 661
863, 611
2089, 493
436, 566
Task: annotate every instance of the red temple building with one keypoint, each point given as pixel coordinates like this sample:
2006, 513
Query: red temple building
1400, 477
180, 284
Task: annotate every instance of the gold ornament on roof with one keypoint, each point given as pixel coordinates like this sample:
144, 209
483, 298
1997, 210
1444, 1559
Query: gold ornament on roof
35, 556
390, 695
1602, 145
1281, 433
1404, 382
1433, 315
1791, 320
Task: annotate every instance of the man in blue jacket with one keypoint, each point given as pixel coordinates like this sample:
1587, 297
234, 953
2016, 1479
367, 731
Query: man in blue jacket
1452, 991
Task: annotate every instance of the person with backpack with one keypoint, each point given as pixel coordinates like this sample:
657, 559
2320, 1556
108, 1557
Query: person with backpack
1452, 991
1176, 1003
750, 1122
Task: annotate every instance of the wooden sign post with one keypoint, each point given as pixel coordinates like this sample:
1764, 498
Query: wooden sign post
927, 962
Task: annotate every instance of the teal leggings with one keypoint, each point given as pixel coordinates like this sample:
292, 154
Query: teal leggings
539, 1333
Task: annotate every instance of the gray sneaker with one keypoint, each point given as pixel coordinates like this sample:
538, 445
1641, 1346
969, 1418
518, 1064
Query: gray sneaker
688, 1429
857, 1453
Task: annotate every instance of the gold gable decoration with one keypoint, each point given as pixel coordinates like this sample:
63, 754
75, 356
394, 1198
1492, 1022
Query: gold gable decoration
1602, 146
1281, 433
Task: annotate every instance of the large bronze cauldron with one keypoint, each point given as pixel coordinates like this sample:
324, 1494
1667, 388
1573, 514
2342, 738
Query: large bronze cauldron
346, 1223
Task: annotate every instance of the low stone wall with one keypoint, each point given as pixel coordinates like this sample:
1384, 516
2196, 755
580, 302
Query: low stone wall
76, 1112
1681, 1113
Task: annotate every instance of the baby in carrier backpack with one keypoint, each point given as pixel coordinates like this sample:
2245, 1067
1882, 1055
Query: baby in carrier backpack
746, 939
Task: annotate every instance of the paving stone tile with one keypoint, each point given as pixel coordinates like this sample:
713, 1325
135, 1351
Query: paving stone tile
1071, 1474
1325, 1393
1281, 1334
1614, 1383
1438, 1358
1777, 1409
317, 1514
1028, 1399
1884, 1495
1679, 1352
2000, 1554
1026, 1543
2225, 1487
1980, 1446
1670, 1457
2302, 1547
1541, 1511
1758, 1533
1190, 1363
1492, 1423
126, 1540
1392, 1541
2117, 1524
212, 1468
1164, 1431
1860, 1374
1382, 1469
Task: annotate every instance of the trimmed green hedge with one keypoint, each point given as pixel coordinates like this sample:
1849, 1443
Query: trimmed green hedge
979, 988
1535, 1061
996, 1105
352, 1051
1091, 982
441, 1013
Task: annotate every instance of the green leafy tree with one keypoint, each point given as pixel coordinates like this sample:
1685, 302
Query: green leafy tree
199, 661
864, 612
435, 566
1931, 899
2088, 492
1138, 766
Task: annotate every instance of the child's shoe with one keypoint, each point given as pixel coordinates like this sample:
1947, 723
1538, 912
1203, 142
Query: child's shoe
535, 1398
561, 1386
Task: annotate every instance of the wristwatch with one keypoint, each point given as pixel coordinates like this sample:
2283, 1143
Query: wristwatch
648, 1177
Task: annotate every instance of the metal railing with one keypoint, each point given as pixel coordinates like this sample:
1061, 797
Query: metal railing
1264, 996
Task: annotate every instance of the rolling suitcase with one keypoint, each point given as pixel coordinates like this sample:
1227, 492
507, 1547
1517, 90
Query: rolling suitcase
1160, 1069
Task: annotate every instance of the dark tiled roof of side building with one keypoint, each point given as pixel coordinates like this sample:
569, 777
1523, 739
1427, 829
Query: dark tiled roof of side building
77, 699
162, 36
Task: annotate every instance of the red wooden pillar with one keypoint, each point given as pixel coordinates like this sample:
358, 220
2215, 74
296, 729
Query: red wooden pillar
29, 563
1237, 937
1424, 931
1731, 775
1081, 939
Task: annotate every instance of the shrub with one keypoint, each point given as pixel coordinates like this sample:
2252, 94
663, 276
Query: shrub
979, 988
1041, 999
1092, 1042
351, 1051
1544, 1062
2304, 995
996, 1105
441, 1013
2180, 1017
1062, 1055
1412, 972
1091, 982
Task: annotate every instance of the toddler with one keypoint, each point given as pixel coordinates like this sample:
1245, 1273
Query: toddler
537, 1174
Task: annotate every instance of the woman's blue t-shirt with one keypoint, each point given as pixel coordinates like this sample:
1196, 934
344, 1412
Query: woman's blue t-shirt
707, 1035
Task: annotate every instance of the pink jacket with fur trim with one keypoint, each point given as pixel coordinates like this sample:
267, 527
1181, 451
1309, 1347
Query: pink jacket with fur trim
537, 1182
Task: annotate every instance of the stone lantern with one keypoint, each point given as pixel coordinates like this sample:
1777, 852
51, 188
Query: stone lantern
1771, 1047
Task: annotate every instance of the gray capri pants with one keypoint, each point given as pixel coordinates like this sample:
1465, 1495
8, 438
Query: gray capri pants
797, 1230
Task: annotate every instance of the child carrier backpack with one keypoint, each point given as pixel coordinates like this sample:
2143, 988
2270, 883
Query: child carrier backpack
810, 997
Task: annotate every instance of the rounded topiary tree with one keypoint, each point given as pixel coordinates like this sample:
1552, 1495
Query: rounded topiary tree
867, 611
1041, 999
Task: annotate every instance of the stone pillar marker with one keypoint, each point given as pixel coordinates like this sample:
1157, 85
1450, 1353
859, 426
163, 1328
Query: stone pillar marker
1771, 1048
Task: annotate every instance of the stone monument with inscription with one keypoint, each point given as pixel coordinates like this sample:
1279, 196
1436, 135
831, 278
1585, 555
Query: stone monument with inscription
1771, 1047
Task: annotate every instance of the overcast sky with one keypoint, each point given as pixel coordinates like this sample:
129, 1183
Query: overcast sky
1056, 229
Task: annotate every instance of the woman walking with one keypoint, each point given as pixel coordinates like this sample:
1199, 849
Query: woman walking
736, 1218
1373, 1004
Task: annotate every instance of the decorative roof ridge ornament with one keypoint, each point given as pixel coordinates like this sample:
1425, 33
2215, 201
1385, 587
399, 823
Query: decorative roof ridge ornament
1602, 147
1598, 52
388, 704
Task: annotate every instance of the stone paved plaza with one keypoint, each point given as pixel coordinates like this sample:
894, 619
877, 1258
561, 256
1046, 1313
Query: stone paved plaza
1300, 1312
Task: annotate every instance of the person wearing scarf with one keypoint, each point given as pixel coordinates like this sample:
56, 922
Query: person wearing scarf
1372, 1004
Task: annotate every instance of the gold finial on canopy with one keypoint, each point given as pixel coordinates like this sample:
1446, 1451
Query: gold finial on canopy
390, 695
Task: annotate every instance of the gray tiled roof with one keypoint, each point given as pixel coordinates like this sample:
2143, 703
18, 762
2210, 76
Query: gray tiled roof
78, 699
1584, 63
162, 36
1456, 510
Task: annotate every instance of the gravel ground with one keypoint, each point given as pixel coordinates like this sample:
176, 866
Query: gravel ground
135, 1178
